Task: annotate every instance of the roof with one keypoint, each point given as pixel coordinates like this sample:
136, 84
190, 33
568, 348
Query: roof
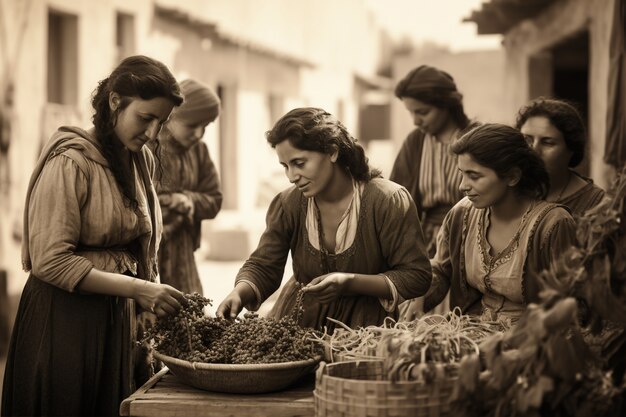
499, 16
213, 32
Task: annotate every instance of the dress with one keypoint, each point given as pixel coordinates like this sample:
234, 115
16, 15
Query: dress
582, 200
191, 172
388, 241
499, 286
72, 353
428, 170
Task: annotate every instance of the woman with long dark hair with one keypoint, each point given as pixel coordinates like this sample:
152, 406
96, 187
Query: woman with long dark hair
92, 226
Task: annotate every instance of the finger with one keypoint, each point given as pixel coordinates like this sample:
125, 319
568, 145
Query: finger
168, 309
235, 308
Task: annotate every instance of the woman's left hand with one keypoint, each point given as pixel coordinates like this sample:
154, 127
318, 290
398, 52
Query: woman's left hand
327, 288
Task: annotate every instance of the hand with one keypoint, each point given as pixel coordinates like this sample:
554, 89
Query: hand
181, 203
329, 287
160, 299
231, 306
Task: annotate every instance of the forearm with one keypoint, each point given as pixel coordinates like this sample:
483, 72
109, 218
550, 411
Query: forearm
372, 285
109, 283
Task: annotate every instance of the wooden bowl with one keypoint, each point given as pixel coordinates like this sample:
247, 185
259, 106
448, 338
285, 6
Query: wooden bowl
238, 379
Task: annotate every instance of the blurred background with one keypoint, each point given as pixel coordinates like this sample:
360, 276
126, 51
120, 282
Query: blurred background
266, 57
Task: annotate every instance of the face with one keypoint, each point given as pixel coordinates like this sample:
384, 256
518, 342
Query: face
310, 171
480, 184
141, 120
548, 142
186, 134
426, 117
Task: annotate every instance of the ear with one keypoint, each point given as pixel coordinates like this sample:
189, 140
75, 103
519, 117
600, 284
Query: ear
335, 155
514, 177
114, 100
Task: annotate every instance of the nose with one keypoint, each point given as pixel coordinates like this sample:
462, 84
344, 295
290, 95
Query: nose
417, 120
464, 186
292, 175
533, 143
153, 129
198, 133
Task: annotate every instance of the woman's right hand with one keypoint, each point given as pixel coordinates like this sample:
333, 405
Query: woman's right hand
160, 299
231, 306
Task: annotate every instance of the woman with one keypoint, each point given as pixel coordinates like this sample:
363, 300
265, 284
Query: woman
495, 241
555, 130
355, 238
91, 232
424, 164
189, 190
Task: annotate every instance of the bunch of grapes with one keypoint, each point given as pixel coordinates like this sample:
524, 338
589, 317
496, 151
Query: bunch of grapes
175, 333
192, 336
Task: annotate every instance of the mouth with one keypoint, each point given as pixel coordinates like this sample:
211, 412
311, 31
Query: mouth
303, 186
471, 196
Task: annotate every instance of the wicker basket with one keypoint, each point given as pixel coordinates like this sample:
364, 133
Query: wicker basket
238, 379
360, 389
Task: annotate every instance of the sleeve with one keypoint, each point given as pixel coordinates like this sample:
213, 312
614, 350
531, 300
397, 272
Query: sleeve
207, 197
555, 235
442, 267
403, 246
54, 221
402, 170
557, 239
266, 265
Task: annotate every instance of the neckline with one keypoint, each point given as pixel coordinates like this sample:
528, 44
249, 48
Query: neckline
511, 245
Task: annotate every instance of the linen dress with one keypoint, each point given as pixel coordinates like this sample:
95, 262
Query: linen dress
497, 285
388, 242
193, 173
71, 353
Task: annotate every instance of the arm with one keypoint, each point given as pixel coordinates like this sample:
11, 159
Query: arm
55, 221
442, 267
264, 269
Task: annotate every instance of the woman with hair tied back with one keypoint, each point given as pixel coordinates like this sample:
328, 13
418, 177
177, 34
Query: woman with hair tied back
92, 226
425, 165
355, 238
495, 241
556, 131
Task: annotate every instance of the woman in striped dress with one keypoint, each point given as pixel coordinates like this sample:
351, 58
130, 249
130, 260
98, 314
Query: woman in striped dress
425, 165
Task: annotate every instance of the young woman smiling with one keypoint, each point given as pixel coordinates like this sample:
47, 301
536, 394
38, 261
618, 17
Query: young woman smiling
355, 238
495, 240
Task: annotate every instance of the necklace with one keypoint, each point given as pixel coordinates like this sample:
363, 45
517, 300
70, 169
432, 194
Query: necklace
569, 178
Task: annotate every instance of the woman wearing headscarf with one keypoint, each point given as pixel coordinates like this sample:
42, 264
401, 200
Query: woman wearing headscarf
425, 165
189, 188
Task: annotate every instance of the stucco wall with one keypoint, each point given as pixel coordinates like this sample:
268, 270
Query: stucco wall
562, 20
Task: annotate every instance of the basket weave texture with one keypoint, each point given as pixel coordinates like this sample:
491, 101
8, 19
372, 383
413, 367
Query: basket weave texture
360, 389
238, 379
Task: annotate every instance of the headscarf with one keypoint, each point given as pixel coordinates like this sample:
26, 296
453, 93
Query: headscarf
201, 105
425, 79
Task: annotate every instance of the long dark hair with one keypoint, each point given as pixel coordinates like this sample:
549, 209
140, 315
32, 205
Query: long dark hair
314, 129
503, 148
565, 117
136, 76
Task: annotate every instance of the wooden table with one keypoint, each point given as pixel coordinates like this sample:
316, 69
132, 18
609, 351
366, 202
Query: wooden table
165, 396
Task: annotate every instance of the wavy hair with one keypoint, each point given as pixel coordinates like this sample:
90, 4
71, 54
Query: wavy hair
135, 77
314, 129
564, 116
503, 148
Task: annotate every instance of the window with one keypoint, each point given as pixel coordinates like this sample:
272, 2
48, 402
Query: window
62, 58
